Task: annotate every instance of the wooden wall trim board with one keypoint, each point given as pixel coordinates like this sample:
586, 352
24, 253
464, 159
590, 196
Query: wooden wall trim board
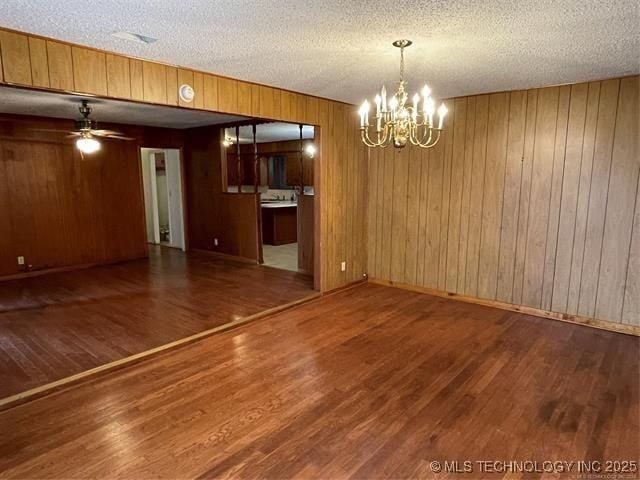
536, 312
530, 199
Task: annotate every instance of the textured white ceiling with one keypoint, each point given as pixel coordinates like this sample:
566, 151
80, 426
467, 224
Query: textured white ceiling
341, 49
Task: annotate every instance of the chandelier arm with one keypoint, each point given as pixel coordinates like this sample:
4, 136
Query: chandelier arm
365, 137
433, 144
425, 141
381, 137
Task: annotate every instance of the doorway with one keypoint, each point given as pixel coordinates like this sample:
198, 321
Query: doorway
163, 196
275, 161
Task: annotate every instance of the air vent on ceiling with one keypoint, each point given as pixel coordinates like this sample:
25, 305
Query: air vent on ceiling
134, 37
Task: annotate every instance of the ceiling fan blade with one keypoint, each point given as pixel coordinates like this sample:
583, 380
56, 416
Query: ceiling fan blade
73, 135
104, 133
120, 137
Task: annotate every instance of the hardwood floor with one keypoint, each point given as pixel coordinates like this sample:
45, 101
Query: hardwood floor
371, 382
57, 325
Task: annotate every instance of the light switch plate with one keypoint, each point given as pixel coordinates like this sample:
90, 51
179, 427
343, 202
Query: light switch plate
343, 267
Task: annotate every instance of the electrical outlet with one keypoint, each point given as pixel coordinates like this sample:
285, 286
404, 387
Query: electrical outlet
343, 267
20, 260
215, 242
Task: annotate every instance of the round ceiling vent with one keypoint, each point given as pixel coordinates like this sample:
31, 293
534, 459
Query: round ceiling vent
187, 93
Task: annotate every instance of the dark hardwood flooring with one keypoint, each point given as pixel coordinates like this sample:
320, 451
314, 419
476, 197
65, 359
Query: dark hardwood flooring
56, 325
371, 382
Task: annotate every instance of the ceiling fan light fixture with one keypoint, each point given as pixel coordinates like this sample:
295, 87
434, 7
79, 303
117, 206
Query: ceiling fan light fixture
88, 144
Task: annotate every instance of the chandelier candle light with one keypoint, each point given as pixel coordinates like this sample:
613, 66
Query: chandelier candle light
395, 123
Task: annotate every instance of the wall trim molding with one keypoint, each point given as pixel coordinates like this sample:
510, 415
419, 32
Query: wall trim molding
536, 312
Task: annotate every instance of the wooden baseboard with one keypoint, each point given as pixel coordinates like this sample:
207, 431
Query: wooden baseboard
536, 312
348, 286
66, 268
63, 383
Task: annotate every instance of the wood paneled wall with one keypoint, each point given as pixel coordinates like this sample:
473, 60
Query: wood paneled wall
530, 198
58, 209
33, 61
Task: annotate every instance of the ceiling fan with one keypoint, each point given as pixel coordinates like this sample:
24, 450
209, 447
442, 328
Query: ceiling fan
87, 130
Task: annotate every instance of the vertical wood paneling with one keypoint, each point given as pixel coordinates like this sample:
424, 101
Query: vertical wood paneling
171, 76
154, 82
210, 92
525, 196
277, 105
476, 194
285, 105
598, 193
255, 100
387, 205
89, 71
511, 195
245, 103
467, 173
413, 216
631, 305
15, 58
444, 204
493, 194
137, 82
39, 63
433, 209
227, 95
539, 195
619, 276
455, 201
569, 200
584, 186
95, 205
118, 76
556, 196
1, 67
198, 87
399, 215
60, 66
531, 198
378, 206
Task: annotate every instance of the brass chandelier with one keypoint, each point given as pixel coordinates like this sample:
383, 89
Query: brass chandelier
395, 123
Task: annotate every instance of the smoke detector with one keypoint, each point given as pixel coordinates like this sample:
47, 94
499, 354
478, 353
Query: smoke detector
186, 93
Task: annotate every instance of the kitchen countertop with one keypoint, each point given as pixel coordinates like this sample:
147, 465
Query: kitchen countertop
278, 204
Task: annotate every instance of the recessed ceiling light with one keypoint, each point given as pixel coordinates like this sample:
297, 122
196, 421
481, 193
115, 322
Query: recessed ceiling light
134, 37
